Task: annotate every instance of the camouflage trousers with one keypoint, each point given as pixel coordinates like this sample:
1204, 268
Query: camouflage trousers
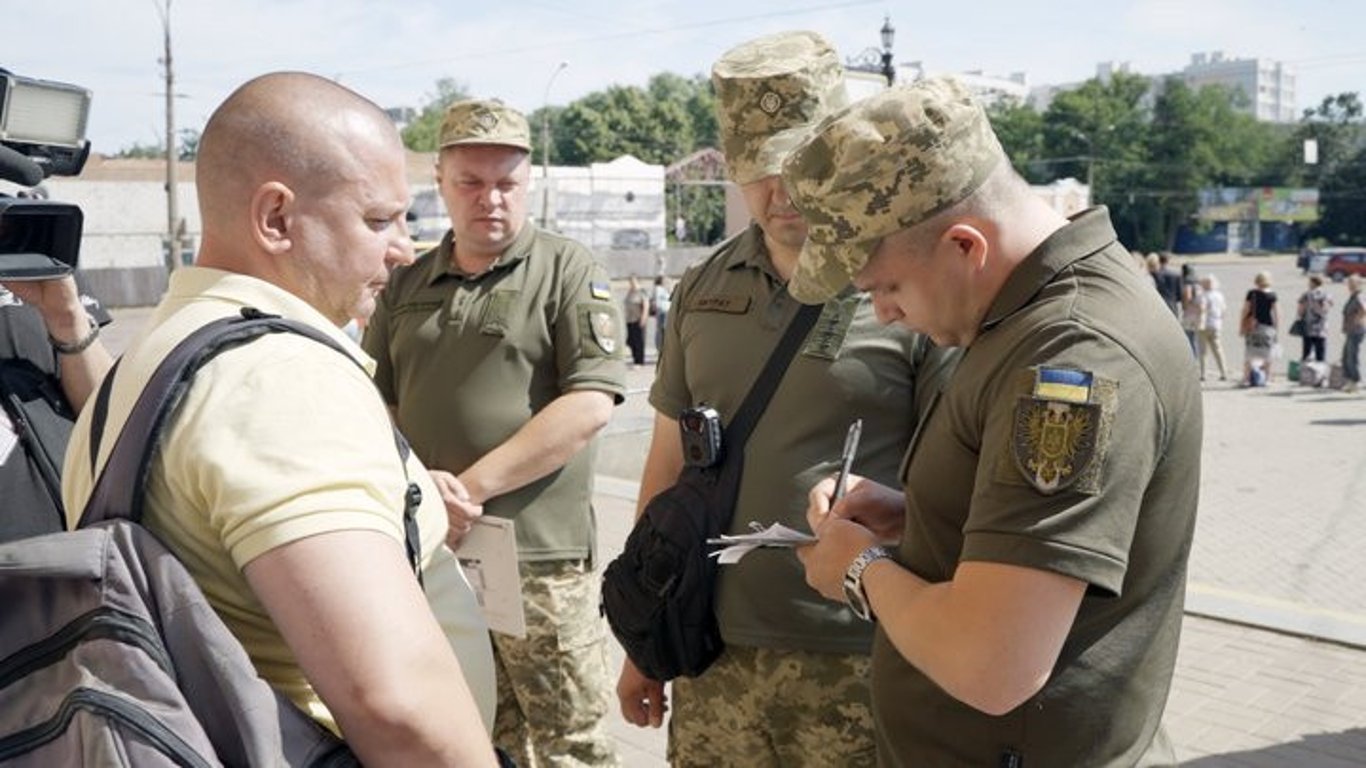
759, 707
553, 688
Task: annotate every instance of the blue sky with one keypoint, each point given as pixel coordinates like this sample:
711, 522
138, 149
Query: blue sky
394, 52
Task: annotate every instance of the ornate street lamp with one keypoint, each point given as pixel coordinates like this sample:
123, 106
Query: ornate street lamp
877, 61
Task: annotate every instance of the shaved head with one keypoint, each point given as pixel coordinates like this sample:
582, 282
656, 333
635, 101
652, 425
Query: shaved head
303, 184
291, 127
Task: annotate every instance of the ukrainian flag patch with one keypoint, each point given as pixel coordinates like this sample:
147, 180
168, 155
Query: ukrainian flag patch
600, 290
1063, 385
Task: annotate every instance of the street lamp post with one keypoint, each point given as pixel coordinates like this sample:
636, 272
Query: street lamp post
545, 144
877, 61
888, 33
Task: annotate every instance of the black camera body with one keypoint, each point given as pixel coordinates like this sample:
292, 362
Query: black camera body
42, 133
700, 428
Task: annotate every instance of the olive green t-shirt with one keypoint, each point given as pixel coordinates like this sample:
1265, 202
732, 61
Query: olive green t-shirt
467, 360
727, 315
1068, 440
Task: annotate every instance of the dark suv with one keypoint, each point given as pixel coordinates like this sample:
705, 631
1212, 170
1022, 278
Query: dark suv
1343, 262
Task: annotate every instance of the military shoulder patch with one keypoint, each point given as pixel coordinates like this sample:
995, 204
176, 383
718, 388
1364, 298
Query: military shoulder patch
602, 329
1060, 430
600, 290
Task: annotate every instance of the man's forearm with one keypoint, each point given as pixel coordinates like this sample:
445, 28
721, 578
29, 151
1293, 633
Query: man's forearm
989, 637
663, 462
543, 445
81, 371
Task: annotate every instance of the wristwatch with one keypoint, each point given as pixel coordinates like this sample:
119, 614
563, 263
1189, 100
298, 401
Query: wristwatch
853, 581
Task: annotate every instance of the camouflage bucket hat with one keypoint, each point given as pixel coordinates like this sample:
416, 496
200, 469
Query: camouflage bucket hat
770, 93
885, 164
484, 121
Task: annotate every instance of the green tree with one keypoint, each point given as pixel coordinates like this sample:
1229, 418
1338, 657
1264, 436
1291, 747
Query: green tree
1337, 128
1200, 139
1343, 203
1098, 131
422, 134
624, 120
1020, 129
189, 144
139, 150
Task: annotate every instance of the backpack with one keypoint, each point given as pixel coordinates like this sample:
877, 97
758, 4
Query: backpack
659, 594
109, 652
35, 423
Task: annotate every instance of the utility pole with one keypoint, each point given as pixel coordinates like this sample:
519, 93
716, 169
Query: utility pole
172, 196
545, 144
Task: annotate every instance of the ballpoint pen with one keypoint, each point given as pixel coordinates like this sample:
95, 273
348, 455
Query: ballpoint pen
847, 460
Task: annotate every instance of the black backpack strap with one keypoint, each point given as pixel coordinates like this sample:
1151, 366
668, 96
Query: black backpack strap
118, 490
100, 415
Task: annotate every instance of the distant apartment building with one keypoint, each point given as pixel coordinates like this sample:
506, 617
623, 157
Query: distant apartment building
1268, 86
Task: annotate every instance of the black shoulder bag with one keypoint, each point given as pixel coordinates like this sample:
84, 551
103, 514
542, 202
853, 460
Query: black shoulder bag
658, 595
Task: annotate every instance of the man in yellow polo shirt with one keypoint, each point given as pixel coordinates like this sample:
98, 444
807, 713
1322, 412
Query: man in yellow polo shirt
278, 484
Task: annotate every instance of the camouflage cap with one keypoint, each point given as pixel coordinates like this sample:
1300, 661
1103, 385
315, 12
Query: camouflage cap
883, 165
770, 93
484, 121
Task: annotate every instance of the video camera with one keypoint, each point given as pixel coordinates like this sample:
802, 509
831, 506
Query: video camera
42, 133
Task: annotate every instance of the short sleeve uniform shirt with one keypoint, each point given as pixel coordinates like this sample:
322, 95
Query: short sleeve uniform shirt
468, 359
1068, 440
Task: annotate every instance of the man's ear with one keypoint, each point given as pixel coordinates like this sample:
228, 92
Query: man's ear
271, 215
968, 241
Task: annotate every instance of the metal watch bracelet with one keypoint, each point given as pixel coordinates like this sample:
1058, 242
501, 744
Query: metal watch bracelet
78, 346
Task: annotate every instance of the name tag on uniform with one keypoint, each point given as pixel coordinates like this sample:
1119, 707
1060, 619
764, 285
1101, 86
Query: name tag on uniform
731, 305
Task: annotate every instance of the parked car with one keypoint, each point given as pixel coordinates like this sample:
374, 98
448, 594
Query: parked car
1343, 262
635, 239
427, 220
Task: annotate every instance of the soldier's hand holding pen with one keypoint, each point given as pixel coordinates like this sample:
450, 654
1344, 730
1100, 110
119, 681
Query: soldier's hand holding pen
876, 507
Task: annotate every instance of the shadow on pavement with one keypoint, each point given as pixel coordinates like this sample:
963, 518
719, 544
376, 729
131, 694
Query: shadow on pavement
1344, 749
1338, 422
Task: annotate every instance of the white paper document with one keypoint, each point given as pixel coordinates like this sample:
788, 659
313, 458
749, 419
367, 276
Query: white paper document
488, 554
735, 547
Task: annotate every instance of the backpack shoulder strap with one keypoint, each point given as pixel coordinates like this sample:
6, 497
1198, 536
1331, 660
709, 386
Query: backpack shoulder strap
117, 492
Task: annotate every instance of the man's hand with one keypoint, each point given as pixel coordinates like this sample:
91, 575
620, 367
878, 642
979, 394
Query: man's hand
872, 505
643, 701
838, 543
461, 510
59, 302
